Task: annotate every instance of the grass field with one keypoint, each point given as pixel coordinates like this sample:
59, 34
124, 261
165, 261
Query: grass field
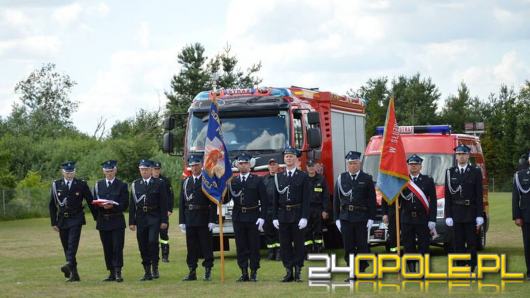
31, 254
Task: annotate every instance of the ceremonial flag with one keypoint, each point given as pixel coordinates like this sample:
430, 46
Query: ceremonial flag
393, 173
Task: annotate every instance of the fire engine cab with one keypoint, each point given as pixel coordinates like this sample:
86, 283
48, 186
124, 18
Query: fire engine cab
262, 122
433, 143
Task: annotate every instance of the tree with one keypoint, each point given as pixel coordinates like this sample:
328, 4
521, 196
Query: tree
198, 74
376, 95
461, 109
45, 104
415, 100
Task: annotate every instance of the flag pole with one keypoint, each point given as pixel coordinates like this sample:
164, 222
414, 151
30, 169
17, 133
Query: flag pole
221, 241
398, 232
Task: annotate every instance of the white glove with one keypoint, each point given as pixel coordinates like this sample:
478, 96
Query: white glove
337, 223
302, 223
260, 222
276, 224
211, 226
431, 225
449, 221
182, 228
369, 224
480, 220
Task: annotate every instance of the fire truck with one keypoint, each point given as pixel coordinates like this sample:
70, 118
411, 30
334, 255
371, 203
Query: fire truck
433, 143
263, 121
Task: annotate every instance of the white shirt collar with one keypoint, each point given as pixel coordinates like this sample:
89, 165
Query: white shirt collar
147, 180
195, 177
412, 176
244, 175
67, 181
287, 171
462, 168
111, 181
356, 174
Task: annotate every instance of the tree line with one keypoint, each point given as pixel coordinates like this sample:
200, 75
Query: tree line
38, 135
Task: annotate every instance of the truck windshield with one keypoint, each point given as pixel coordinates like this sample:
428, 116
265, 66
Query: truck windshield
433, 165
242, 132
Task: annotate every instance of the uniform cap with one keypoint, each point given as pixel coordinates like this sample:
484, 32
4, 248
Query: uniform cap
68, 166
109, 164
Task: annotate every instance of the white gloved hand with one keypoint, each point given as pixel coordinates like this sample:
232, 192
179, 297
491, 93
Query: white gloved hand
480, 220
369, 223
449, 221
431, 225
302, 223
337, 223
276, 224
182, 228
211, 226
260, 222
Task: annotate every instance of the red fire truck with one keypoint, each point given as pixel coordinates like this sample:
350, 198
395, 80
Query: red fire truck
433, 143
263, 121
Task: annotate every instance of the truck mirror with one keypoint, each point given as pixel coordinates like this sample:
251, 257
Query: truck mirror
313, 118
167, 145
169, 123
314, 138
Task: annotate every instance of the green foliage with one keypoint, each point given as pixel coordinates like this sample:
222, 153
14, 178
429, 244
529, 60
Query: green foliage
415, 100
31, 198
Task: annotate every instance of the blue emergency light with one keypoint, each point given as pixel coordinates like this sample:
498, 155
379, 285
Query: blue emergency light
439, 129
204, 95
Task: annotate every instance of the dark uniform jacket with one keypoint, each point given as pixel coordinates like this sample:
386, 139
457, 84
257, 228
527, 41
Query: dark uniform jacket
151, 208
520, 199
412, 210
268, 181
293, 204
111, 219
466, 204
195, 208
71, 212
250, 199
361, 205
171, 194
319, 192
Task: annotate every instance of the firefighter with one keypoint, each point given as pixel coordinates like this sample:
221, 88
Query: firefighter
248, 216
147, 216
164, 237
290, 213
389, 218
110, 219
67, 216
418, 213
271, 233
318, 209
521, 209
354, 207
196, 219
464, 203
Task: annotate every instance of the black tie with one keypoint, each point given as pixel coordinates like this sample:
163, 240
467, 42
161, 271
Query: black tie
353, 177
108, 183
289, 174
461, 171
196, 180
69, 184
244, 179
415, 179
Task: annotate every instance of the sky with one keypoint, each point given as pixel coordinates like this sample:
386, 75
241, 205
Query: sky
123, 54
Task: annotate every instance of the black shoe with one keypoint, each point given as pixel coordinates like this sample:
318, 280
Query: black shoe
271, 254
74, 276
207, 274
191, 276
117, 275
288, 275
165, 253
111, 277
147, 274
244, 275
278, 255
297, 272
66, 270
254, 275
155, 274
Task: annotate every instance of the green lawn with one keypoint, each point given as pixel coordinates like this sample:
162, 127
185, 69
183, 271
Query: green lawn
31, 254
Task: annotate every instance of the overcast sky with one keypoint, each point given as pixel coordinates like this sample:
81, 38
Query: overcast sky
122, 54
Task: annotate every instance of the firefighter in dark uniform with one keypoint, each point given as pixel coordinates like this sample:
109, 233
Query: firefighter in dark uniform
521, 209
164, 237
67, 216
147, 216
290, 213
196, 218
109, 218
271, 233
418, 215
354, 207
248, 216
318, 209
464, 203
